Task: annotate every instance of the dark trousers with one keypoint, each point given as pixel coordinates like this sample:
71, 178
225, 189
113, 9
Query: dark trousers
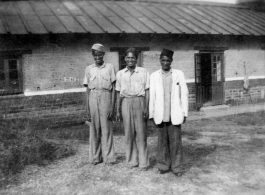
169, 147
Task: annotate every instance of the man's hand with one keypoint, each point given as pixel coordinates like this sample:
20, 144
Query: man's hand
185, 118
118, 117
88, 116
146, 114
110, 115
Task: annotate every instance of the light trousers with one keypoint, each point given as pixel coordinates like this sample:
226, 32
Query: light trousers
101, 129
135, 132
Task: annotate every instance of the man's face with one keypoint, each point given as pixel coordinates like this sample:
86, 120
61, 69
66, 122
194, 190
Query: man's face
165, 62
98, 57
130, 59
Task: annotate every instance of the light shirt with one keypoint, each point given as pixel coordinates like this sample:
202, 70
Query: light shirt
167, 86
131, 84
99, 77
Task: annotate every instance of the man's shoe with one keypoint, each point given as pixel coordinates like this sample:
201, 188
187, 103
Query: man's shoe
159, 171
178, 174
95, 163
144, 168
131, 167
109, 164
163, 171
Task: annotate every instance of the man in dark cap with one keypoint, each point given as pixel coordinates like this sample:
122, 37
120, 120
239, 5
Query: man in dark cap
100, 82
132, 88
169, 108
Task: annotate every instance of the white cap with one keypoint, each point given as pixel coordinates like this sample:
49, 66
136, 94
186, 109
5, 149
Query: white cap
98, 47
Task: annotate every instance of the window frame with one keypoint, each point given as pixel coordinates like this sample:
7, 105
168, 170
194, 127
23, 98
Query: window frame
122, 50
7, 88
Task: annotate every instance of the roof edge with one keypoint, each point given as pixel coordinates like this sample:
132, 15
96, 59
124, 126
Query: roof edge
187, 3
192, 2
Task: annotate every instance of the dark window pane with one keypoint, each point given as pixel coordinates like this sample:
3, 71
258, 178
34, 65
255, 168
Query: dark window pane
2, 76
12, 64
13, 74
2, 65
214, 65
2, 84
214, 71
14, 84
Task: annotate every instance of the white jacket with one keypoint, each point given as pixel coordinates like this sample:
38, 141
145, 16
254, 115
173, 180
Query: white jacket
179, 97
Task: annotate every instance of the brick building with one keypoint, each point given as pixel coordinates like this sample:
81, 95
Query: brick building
45, 47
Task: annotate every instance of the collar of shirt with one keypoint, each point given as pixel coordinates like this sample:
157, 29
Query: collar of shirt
166, 73
102, 66
135, 70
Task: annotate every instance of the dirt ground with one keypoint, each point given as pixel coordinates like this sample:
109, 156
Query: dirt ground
221, 155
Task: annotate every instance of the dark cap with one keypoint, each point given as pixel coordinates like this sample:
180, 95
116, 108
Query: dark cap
167, 52
132, 50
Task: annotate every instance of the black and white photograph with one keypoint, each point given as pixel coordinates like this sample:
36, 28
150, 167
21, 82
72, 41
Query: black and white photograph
132, 97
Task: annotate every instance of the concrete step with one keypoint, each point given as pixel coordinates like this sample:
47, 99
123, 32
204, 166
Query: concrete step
214, 108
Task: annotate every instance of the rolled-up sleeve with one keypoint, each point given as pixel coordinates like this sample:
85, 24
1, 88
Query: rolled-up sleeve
85, 82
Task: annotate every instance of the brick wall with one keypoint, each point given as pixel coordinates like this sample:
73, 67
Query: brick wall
53, 110
235, 94
58, 70
182, 60
58, 62
254, 60
50, 69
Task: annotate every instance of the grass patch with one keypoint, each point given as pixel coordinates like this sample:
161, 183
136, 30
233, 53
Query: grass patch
256, 118
20, 146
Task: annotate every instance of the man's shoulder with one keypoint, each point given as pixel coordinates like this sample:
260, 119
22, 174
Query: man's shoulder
90, 66
176, 71
121, 71
156, 73
109, 65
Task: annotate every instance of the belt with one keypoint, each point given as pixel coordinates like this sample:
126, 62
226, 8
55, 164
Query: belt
100, 90
134, 96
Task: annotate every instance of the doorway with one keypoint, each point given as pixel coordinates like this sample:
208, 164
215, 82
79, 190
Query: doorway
209, 79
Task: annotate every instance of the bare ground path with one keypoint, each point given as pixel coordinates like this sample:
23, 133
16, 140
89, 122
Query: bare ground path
221, 156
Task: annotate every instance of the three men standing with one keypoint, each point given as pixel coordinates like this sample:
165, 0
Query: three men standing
169, 109
100, 100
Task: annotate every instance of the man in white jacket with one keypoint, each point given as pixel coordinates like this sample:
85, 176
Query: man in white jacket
168, 107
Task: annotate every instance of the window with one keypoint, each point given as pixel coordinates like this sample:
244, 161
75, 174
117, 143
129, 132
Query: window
122, 51
10, 75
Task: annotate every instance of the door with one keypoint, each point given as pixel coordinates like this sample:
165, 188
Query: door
198, 81
217, 78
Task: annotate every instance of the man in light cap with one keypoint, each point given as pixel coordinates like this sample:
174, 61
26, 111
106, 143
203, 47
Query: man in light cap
169, 108
132, 88
100, 95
